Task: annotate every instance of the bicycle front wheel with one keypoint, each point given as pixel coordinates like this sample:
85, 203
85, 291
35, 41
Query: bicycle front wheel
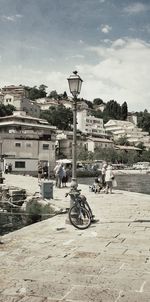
79, 217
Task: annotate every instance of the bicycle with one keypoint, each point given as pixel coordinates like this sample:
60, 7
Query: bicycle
80, 214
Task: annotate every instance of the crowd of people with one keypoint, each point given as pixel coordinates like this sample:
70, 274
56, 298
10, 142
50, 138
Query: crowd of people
62, 175
106, 181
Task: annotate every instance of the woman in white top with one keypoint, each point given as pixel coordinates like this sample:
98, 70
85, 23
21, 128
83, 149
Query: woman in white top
109, 176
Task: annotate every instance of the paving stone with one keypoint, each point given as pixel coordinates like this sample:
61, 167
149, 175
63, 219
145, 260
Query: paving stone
50, 260
37, 288
4, 298
89, 294
134, 297
33, 299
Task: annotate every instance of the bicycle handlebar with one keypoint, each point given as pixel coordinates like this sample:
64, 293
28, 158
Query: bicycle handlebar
77, 192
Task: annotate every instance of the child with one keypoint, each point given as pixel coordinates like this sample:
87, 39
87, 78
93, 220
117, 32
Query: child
97, 186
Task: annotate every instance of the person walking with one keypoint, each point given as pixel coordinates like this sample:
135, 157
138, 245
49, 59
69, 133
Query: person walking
109, 176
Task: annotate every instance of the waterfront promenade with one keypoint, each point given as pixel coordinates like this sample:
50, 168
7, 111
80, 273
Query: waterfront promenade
51, 261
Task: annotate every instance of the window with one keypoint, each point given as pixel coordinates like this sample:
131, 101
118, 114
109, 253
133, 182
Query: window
19, 164
17, 144
45, 147
28, 145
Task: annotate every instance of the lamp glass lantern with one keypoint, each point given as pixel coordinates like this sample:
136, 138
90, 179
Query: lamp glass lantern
75, 83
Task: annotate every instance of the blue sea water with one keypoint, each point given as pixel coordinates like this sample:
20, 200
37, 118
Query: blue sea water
133, 183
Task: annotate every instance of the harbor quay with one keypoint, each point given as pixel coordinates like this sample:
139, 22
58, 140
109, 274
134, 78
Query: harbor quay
51, 261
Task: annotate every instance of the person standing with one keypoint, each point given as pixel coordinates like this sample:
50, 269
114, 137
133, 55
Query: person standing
109, 176
9, 167
6, 168
39, 171
58, 174
64, 180
104, 167
45, 171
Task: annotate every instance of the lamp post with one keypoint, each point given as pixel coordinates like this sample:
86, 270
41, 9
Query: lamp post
75, 83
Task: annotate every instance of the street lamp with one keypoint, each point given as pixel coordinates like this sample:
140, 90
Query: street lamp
75, 83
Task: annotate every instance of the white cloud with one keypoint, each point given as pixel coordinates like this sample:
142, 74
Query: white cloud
106, 28
18, 16
122, 73
78, 56
136, 8
119, 43
81, 42
52, 60
11, 18
18, 74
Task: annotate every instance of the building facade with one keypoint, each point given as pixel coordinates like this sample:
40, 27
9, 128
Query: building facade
46, 103
129, 130
23, 138
17, 97
89, 124
64, 141
94, 143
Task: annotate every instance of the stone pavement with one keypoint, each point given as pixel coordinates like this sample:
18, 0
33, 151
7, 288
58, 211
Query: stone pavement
52, 261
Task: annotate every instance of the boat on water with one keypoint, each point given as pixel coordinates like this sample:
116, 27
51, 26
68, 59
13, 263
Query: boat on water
143, 165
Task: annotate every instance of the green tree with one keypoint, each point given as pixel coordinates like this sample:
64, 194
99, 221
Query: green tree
97, 113
112, 110
89, 103
123, 141
65, 96
143, 119
42, 89
6, 110
53, 95
97, 101
124, 111
83, 154
141, 146
60, 116
36, 93
145, 156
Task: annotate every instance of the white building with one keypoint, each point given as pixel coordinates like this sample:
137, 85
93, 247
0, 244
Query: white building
89, 124
24, 140
17, 97
94, 143
129, 130
132, 117
46, 103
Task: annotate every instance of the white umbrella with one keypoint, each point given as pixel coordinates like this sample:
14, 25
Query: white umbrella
64, 161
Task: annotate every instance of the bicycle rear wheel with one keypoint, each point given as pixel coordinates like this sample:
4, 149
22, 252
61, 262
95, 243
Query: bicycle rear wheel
79, 217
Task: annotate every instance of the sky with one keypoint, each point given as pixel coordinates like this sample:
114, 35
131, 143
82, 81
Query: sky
106, 41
